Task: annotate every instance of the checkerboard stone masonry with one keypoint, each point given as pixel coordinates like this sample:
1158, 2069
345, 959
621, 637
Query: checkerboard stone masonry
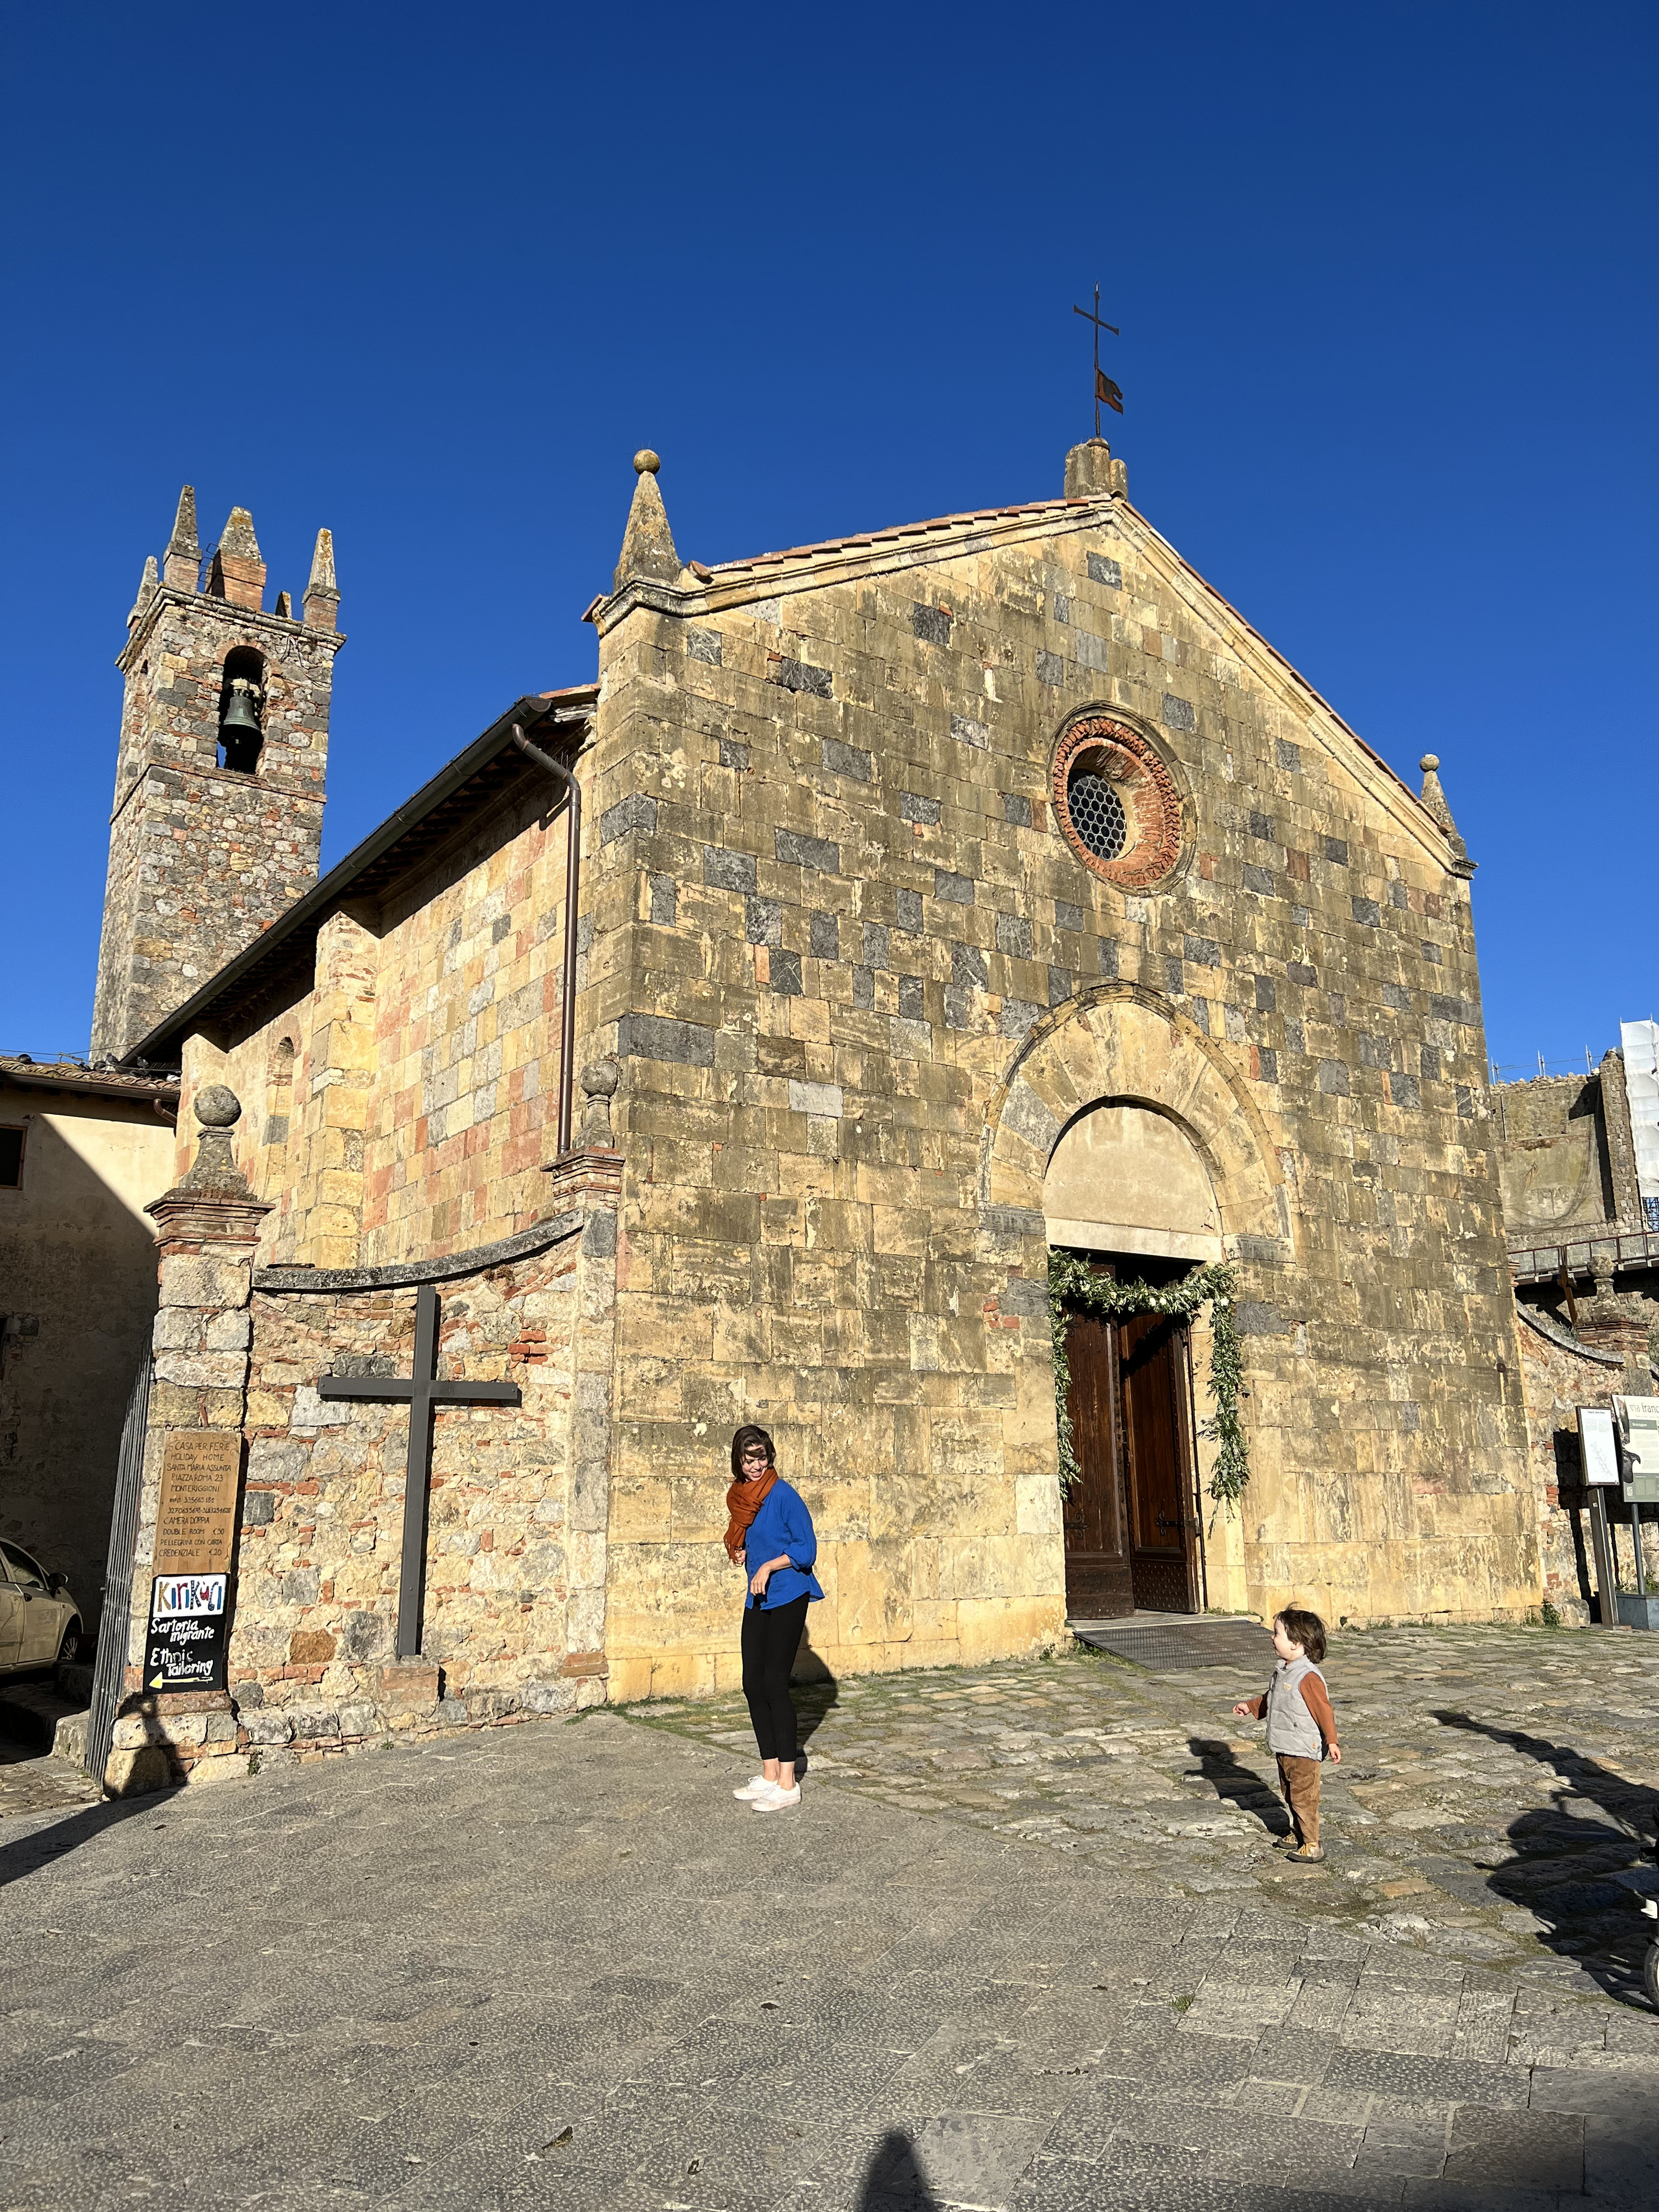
841, 758
856, 983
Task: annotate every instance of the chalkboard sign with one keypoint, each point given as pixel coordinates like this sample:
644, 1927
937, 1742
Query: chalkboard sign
184, 1648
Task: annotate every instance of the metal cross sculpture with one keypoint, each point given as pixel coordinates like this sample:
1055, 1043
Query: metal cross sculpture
422, 1393
1104, 387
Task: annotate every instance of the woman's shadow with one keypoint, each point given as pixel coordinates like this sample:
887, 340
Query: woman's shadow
814, 1690
1565, 1875
895, 2182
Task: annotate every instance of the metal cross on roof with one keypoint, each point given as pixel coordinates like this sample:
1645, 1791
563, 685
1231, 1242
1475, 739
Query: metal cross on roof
423, 1394
1104, 387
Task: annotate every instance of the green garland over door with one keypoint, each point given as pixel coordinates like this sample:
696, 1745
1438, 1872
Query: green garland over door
1217, 1286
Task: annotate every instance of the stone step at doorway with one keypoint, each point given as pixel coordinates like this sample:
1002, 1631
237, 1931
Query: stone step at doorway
36, 1713
1175, 1643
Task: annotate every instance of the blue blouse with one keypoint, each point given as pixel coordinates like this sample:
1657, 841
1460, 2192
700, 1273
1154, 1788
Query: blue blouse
782, 1527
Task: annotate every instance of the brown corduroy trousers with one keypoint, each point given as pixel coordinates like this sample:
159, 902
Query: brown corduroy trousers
1299, 1780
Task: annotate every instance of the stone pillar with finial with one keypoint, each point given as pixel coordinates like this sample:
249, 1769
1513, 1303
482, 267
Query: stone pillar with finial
589, 1180
207, 1227
647, 546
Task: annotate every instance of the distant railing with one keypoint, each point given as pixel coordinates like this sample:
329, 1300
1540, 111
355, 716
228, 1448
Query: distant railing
1585, 1255
1521, 1071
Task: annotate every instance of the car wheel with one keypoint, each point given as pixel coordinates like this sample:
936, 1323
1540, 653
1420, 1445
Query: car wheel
69, 1650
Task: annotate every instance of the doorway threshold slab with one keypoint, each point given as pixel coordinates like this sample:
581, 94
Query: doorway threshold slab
1176, 1642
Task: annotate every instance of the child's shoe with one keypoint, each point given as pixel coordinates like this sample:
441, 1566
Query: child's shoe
1307, 1855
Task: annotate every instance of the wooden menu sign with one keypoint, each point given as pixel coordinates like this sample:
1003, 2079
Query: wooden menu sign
196, 1526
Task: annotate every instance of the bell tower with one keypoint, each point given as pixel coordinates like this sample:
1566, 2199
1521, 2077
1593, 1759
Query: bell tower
220, 780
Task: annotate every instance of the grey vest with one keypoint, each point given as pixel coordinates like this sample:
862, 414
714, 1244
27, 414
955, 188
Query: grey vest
1292, 1728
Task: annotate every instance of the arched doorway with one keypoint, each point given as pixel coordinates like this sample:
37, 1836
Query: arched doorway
1127, 1188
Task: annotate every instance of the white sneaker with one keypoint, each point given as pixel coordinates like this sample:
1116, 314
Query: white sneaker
757, 1786
776, 1799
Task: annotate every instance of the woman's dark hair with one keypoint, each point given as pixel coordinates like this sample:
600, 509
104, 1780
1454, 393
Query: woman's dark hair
745, 1439
1306, 1629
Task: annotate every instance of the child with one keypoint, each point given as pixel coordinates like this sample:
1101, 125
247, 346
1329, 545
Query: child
1301, 1726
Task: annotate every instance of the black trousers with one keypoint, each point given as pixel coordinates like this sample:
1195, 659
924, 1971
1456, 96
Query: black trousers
771, 1638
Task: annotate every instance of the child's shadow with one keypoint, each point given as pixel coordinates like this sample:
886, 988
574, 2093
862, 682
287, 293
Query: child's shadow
1238, 1785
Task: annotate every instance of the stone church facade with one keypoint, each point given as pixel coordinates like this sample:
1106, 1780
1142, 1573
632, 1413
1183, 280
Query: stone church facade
946, 894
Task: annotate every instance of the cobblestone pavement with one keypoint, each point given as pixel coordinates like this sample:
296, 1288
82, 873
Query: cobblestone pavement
33, 1782
556, 1966
1496, 1799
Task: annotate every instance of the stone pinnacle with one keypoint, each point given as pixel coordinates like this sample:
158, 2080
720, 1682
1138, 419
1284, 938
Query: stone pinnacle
647, 546
183, 539
148, 584
322, 564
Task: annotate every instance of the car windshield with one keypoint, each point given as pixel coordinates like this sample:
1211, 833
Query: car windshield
23, 1569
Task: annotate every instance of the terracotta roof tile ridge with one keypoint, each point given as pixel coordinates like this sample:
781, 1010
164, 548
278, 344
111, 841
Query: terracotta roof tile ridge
903, 530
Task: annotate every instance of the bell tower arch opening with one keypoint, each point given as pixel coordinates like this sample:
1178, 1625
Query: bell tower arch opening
241, 710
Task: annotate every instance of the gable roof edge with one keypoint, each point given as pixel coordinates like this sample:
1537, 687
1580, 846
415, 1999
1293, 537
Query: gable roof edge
1417, 821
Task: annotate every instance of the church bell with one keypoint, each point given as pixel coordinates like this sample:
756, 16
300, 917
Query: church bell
241, 719
239, 733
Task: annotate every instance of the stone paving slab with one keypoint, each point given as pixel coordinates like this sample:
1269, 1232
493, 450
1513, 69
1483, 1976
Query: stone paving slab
556, 1966
1496, 1803
34, 1781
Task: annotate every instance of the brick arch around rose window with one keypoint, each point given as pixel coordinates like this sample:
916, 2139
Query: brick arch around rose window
1126, 1045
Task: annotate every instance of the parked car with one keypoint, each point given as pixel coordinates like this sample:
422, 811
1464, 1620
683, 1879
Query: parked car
39, 1621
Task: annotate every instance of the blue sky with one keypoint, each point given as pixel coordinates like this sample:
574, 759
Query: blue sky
430, 275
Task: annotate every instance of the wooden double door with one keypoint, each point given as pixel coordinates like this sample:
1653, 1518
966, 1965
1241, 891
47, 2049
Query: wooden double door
1133, 1535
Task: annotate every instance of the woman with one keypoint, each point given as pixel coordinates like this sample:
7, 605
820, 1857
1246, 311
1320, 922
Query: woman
770, 1533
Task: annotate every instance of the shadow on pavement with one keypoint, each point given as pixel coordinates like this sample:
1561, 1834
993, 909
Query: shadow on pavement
1221, 1768
816, 1691
1564, 1873
25, 1854
895, 2182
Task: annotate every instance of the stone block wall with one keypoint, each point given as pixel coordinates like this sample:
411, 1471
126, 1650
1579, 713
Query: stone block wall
1566, 1159
515, 1553
832, 912
406, 1103
515, 1573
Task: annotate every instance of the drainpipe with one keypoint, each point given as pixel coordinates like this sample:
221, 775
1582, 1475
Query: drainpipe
573, 861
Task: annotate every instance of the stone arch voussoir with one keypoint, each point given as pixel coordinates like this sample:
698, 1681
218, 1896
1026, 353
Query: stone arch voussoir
1120, 1044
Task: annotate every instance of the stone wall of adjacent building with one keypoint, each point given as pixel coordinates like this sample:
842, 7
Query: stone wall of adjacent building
1566, 1160
1607, 1354
832, 912
77, 1264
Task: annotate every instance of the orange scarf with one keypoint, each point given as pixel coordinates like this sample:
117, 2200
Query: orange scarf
744, 1501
